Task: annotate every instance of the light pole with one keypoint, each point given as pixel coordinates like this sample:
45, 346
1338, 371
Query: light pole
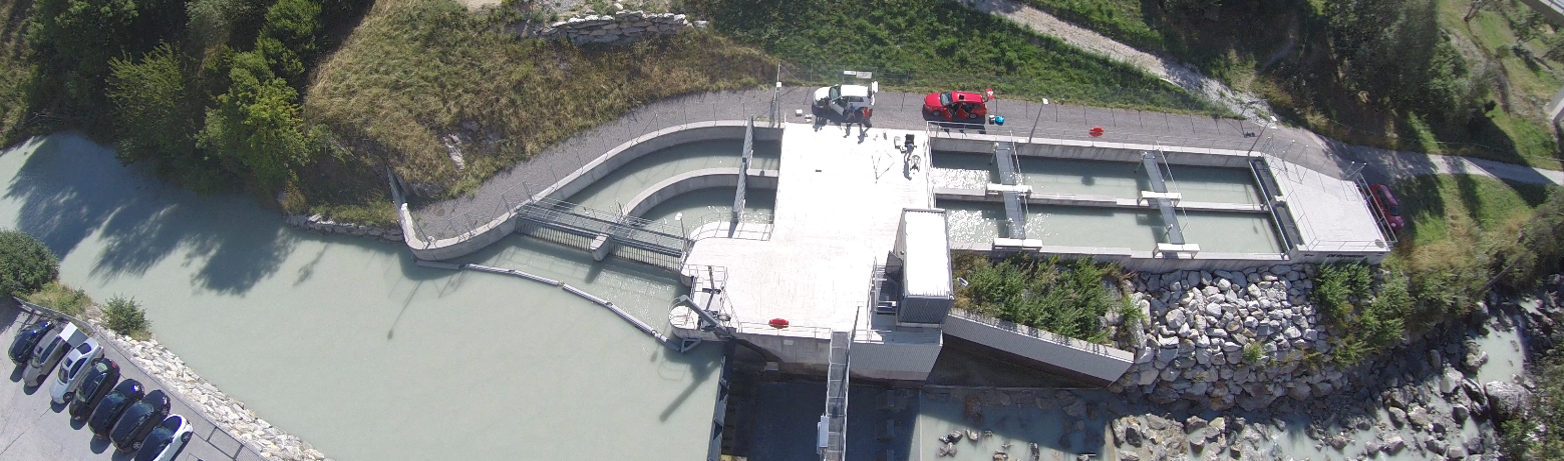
1258, 136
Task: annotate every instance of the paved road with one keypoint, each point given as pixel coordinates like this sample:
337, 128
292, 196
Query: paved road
33, 429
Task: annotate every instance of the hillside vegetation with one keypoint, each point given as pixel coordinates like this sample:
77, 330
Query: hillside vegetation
418, 70
1468, 77
919, 45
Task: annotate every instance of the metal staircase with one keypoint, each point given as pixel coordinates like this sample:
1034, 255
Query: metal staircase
833, 424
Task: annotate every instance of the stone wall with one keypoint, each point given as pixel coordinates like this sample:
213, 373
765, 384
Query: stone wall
1199, 324
320, 224
622, 27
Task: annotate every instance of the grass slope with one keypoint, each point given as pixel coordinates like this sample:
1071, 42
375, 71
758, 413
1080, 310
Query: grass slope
936, 44
14, 68
417, 70
1281, 51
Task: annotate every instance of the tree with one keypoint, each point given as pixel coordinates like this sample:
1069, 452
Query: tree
25, 264
155, 117
256, 125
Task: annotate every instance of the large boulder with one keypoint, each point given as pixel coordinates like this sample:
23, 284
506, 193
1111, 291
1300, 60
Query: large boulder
1507, 399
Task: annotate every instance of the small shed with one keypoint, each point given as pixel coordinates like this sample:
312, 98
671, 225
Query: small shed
923, 249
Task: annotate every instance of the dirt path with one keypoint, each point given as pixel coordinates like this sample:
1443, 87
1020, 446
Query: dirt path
1178, 74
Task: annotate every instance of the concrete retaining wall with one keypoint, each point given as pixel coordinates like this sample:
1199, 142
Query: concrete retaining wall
895, 361
1092, 363
696, 180
1142, 260
501, 226
622, 27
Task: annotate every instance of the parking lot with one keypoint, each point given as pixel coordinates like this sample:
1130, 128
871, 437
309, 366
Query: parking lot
32, 428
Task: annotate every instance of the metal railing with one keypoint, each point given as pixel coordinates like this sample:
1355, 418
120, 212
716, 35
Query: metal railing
509, 189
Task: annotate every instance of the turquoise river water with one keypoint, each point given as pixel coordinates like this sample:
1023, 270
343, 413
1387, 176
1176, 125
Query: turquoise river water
350, 346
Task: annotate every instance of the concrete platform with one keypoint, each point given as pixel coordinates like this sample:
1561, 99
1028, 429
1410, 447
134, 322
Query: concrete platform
1332, 214
839, 200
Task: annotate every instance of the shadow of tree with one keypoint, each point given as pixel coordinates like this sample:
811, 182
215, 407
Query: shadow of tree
72, 189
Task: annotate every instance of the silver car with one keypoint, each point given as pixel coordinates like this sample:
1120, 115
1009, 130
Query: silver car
73, 369
49, 352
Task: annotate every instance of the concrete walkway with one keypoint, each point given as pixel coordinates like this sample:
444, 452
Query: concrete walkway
34, 429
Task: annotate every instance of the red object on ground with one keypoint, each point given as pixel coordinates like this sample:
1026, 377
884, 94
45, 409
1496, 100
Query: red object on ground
778, 323
1096, 131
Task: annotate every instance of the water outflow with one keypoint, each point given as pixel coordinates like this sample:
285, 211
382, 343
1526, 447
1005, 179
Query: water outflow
352, 347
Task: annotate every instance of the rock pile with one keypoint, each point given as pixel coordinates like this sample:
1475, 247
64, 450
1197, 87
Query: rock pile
1201, 325
271, 442
320, 224
621, 27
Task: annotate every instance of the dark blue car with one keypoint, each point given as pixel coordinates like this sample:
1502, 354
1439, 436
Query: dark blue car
27, 339
109, 410
102, 375
138, 420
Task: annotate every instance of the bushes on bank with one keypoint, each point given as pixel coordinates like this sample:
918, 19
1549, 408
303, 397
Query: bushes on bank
26, 265
125, 316
1069, 298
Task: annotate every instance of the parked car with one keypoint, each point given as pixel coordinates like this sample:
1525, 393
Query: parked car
48, 354
956, 104
166, 440
1387, 204
102, 375
133, 426
27, 339
846, 99
113, 405
73, 369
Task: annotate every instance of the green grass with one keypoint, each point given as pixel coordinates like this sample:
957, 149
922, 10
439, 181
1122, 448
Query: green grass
1457, 226
416, 70
60, 297
920, 45
1069, 298
1281, 51
14, 68
1121, 20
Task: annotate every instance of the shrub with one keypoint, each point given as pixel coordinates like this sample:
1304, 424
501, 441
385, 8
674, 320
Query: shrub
25, 264
60, 297
1069, 299
125, 316
1253, 353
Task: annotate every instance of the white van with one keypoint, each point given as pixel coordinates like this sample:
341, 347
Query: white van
49, 352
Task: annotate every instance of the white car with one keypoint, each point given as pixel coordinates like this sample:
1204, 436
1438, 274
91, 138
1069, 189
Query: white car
846, 99
49, 352
73, 369
166, 440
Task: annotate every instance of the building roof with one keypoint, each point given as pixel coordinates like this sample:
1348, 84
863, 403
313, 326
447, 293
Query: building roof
926, 256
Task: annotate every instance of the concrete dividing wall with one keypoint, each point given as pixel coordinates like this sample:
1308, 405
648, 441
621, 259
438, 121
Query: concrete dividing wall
695, 180
501, 226
1091, 150
1092, 363
894, 361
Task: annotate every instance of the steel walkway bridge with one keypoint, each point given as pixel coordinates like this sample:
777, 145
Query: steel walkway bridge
1009, 175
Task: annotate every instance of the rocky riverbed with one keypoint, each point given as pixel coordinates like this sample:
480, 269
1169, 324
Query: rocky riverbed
1191, 394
